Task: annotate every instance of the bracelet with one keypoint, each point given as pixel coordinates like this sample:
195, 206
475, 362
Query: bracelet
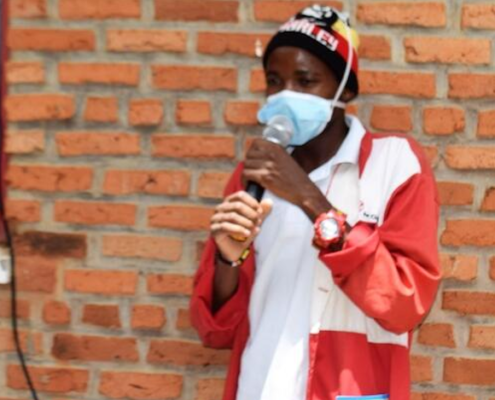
236, 263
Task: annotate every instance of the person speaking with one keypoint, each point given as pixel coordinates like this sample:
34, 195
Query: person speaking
317, 285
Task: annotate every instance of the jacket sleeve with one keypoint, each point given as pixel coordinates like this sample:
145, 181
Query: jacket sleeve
392, 271
218, 329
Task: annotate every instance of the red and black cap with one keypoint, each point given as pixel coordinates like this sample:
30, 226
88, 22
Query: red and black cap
326, 33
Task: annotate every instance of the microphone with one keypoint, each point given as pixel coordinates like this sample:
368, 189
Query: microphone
279, 130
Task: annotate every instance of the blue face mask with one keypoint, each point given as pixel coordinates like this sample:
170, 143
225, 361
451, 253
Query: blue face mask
308, 113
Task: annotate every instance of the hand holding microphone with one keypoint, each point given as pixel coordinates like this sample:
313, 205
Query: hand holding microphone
278, 130
238, 218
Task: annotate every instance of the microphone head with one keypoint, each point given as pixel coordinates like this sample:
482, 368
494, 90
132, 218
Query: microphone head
279, 129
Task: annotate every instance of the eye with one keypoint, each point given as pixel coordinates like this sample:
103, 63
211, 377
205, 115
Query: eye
306, 82
272, 80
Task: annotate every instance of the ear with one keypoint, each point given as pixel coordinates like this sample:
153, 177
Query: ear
347, 95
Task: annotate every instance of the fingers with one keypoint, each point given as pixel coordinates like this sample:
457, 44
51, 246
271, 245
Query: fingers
239, 216
234, 218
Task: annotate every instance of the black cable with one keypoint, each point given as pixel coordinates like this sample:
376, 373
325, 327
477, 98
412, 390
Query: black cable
13, 304
3, 217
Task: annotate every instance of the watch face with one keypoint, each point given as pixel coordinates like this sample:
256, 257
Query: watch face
329, 229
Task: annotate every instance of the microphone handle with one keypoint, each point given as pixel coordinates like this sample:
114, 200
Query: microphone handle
255, 190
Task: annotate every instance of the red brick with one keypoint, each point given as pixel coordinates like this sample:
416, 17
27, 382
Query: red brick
180, 217
23, 308
43, 39
183, 352
39, 107
104, 315
25, 142
257, 81
25, 72
183, 320
146, 247
211, 184
27, 8
460, 267
97, 143
469, 371
467, 232
101, 282
50, 178
148, 316
49, 379
412, 13
209, 389
100, 73
407, 84
489, 200
432, 334
281, 11
94, 348
36, 274
220, 43
7, 343
470, 158
184, 77
56, 313
140, 386
145, 112
101, 109
421, 368
431, 153
374, 47
193, 112
486, 124
99, 9
471, 85
95, 213
478, 16
23, 210
51, 244
193, 146
146, 40
196, 10
169, 284
482, 337
447, 50
464, 302
391, 118
455, 193
492, 268
242, 113
125, 182
443, 120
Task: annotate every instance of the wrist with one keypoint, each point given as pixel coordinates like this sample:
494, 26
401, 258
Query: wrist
314, 204
233, 263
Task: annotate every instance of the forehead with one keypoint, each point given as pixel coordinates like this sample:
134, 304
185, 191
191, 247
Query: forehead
289, 58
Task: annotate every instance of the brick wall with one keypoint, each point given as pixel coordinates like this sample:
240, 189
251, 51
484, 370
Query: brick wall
126, 117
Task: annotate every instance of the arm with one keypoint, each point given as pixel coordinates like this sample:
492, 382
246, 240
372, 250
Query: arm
221, 292
392, 271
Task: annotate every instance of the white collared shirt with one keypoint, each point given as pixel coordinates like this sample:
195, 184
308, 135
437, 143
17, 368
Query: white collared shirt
274, 364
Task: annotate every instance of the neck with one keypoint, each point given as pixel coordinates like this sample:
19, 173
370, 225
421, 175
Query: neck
323, 147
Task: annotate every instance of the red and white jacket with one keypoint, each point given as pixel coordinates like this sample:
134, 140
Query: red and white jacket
368, 297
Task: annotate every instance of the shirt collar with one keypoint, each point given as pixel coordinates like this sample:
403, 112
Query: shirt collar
349, 149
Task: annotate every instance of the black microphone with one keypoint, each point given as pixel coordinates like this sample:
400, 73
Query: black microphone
279, 130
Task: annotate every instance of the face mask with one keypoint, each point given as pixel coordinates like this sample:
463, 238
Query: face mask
308, 113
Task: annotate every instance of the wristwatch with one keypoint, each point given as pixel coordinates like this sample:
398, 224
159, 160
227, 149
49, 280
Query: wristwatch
329, 228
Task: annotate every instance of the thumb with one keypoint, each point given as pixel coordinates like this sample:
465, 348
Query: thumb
266, 206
